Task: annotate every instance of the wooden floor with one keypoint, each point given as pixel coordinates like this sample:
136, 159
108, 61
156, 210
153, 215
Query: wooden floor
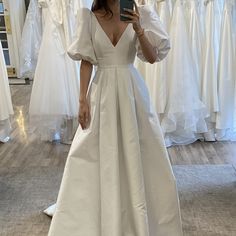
25, 148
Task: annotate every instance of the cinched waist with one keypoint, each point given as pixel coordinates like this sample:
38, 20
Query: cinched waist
114, 66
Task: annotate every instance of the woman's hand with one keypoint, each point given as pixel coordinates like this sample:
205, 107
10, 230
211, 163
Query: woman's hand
134, 18
84, 114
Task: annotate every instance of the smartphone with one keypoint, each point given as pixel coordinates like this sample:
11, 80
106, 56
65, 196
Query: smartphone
129, 4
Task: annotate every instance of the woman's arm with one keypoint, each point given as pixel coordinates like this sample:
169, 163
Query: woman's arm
148, 50
86, 69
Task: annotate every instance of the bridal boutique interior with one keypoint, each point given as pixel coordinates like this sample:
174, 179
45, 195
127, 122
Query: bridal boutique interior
193, 92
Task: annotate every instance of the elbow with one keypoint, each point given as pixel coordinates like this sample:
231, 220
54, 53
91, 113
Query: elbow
153, 59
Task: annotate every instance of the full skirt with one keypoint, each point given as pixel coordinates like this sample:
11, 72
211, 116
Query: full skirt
118, 179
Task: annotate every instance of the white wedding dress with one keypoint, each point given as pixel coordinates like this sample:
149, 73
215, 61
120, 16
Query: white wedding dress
209, 89
156, 75
226, 117
6, 109
118, 178
185, 114
31, 40
55, 93
195, 31
17, 16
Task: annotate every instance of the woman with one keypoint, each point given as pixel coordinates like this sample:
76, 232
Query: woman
118, 179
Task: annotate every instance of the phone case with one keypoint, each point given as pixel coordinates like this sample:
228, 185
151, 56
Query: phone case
129, 4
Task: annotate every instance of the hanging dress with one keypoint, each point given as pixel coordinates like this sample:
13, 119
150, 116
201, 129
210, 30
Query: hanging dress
6, 109
118, 178
55, 93
156, 75
17, 17
31, 40
184, 114
195, 31
226, 117
209, 89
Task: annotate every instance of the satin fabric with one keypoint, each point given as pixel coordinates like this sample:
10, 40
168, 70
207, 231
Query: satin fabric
118, 179
6, 109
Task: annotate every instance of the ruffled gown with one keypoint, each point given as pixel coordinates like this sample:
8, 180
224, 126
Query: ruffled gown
185, 113
31, 40
55, 93
226, 117
118, 178
6, 109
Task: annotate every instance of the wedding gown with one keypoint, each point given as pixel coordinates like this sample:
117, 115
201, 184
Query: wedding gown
17, 16
55, 93
195, 31
118, 178
226, 117
156, 75
31, 40
209, 90
185, 113
6, 109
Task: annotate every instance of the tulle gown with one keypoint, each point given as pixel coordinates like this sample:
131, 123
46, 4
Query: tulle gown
118, 178
31, 40
55, 93
185, 113
6, 109
209, 89
226, 117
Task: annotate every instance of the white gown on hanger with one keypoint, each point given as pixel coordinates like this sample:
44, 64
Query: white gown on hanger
210, 64
195, 31
226, 117
6, 109
156, 75
185, 113
118, 178
17, 16
55, 92
31, 40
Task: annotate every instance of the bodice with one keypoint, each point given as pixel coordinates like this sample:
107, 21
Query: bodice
123, 53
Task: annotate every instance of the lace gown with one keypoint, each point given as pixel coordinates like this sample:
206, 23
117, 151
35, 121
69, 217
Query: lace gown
118, 178
31, 40
6, 109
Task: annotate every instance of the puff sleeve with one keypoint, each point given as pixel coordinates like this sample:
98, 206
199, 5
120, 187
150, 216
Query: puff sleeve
155, 32
82, 47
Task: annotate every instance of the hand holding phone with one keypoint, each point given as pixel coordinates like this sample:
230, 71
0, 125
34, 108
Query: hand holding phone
125, 4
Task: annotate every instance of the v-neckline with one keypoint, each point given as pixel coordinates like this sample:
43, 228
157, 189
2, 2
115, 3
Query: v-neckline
106, 35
